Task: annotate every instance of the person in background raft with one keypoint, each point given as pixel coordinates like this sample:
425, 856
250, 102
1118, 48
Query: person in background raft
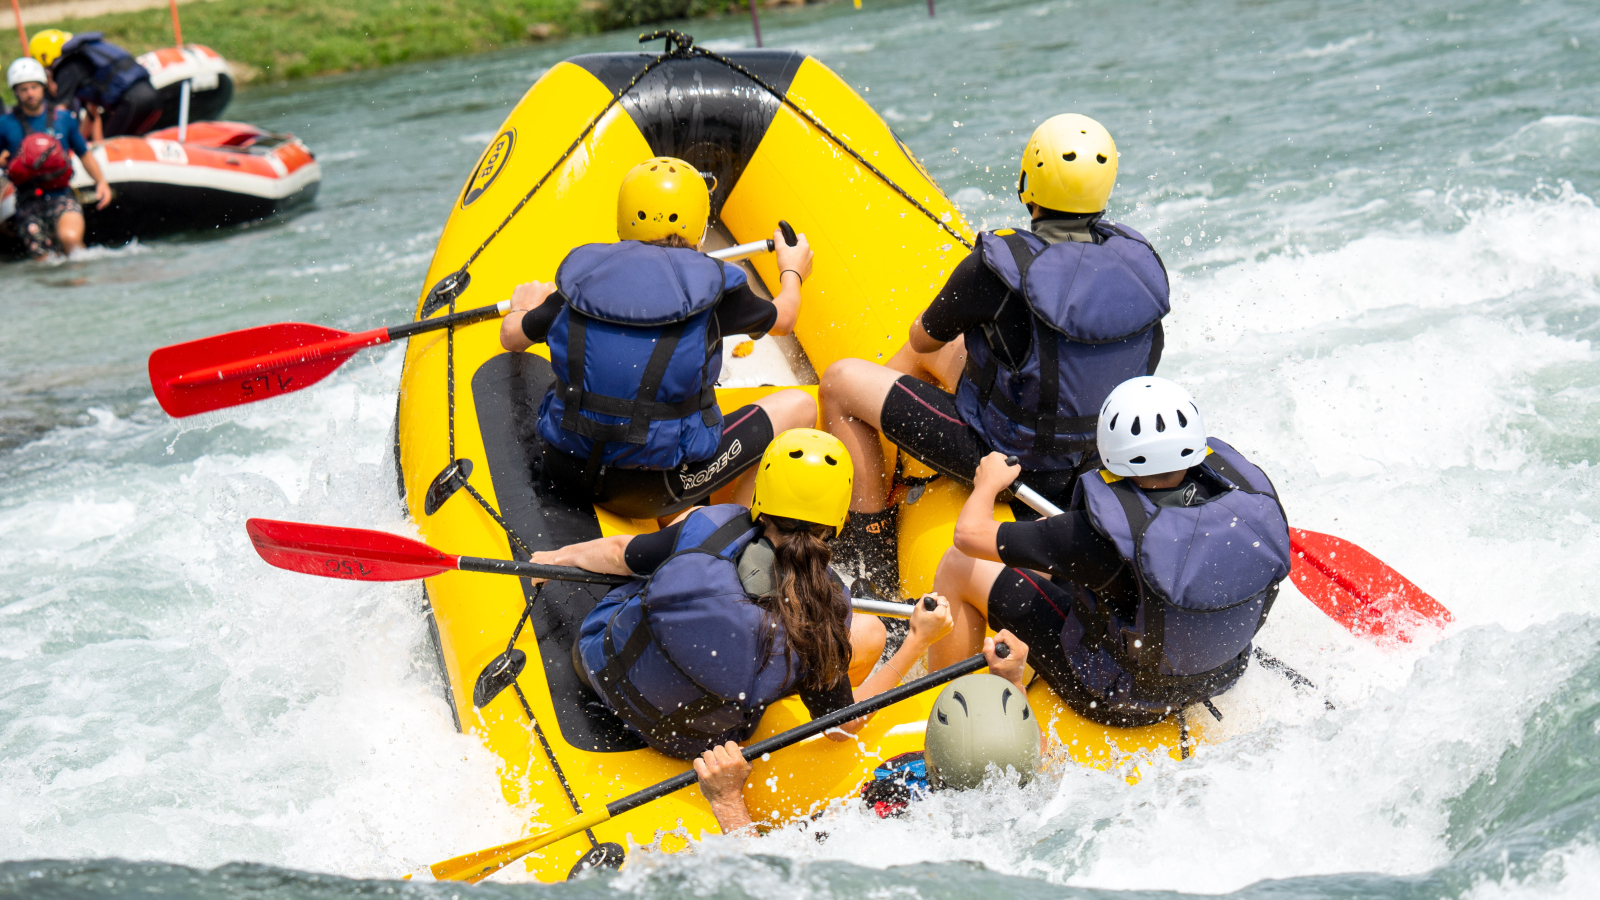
978, 721
92, 70
635, 332
735, 608
1046, 323
35, 140
1162, 569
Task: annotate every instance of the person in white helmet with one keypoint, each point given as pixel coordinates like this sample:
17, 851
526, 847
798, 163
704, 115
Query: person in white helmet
35, 142
1144, 596
1018, 349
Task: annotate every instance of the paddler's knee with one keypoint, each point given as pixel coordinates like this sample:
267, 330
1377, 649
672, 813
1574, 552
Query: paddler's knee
855, 387
791, 408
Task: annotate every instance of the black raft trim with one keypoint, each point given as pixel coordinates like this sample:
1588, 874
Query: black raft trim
697, 109
506, 391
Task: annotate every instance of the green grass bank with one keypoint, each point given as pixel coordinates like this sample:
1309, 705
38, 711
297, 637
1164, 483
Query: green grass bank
280, 40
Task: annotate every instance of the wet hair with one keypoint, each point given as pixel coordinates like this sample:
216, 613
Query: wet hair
808, 603
672, 240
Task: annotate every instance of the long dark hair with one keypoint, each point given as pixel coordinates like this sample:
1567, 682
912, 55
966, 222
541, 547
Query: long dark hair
808, 603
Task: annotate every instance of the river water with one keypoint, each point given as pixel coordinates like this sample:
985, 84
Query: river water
1380, 226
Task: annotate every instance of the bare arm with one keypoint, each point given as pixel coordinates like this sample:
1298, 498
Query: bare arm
794, 266
722, 772
920, 341
525, 299
607, 554
102, 190
977, 533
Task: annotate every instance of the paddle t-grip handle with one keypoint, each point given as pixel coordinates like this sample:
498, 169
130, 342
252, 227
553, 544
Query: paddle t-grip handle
1002, 650
1031, 497
930, 604
789, 237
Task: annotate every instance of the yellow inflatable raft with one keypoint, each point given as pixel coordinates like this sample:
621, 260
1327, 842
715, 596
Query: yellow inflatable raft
785, 138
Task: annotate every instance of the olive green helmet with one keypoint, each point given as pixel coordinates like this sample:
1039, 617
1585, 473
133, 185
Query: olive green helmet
978, 720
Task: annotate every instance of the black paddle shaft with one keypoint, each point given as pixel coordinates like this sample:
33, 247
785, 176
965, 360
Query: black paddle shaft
396, 332
816, 726
537, 570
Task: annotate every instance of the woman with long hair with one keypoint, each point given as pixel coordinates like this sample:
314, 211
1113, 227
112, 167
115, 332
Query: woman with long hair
735, 607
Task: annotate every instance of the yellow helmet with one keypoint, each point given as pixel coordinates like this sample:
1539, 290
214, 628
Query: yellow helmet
805, 474
1069, 165
46, 45
661, 197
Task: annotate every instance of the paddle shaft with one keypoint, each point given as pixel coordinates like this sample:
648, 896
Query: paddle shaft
814, 727
342, 346
572, 573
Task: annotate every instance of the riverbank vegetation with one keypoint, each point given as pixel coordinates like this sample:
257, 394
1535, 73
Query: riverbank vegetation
279, 40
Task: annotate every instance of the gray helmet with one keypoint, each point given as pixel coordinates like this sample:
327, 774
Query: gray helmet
978, 720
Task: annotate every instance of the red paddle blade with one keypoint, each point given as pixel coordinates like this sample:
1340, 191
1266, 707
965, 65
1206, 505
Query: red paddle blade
1358, 590
352, 553
231, 355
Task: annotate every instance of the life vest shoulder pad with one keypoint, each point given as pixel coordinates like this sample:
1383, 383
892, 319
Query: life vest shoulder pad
639, 284
1093, 293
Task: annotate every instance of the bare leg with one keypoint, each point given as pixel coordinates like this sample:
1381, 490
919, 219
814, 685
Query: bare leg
786, 409
867, 637
942, 367
966, 582
69, 232
852, 394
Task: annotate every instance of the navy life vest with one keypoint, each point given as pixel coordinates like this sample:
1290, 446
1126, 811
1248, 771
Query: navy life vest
680, 657
115, 69
636, 357
1095, 307
1208, 575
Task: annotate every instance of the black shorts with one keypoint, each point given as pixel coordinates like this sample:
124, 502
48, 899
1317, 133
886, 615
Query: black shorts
921, 419
652, 493
1035, 609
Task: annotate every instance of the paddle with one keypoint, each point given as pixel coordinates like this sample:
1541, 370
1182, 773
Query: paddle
1357, 590
270, 360
358, 554
474, 867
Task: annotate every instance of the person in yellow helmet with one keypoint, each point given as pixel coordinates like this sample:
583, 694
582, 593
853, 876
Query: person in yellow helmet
635, 334
88, 69
1017, 351
734, 607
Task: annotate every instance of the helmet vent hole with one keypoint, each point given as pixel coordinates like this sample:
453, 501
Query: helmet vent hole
672, 218
943, 720
1005, 698
956, 696
674, 169
796, 454
653, 168
1069, 157
1100, 158
1186, 451
1113, 425
1026, 714
641, 215
1161, 424
830, 460
1038, 165
1182, 422
1137, 460
1135, 429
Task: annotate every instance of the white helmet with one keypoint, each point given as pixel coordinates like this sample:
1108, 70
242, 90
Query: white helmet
25, 70
1149, 426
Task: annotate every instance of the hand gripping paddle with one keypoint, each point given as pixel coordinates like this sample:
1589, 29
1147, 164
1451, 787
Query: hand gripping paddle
1350, 585
269, 360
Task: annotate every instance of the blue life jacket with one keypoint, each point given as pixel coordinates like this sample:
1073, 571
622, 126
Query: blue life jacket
1208, 575
115, 69
1095, 308
639, 327
680, 656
